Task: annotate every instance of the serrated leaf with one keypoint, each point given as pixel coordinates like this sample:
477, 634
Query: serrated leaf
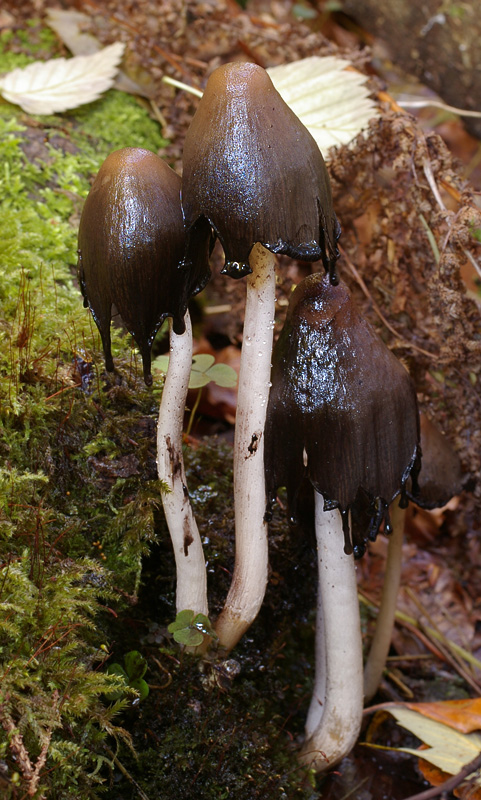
447, 749
330, 99
47, 87
69, 26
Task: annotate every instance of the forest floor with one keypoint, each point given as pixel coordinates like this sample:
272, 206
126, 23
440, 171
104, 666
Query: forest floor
81, 445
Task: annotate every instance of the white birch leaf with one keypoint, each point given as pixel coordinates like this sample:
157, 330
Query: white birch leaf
47, 87
331, 101
69, 24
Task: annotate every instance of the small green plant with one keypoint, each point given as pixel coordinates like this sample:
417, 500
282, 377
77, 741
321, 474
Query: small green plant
133, 674
190, 628
204, 370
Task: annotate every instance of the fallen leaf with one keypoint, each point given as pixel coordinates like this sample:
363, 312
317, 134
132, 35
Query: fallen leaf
46, 87
436, 777
68, 24
447, 749
329, 98
462, 715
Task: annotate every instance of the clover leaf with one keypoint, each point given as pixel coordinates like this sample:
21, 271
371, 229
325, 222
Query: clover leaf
203, 371
190, 628
133, 674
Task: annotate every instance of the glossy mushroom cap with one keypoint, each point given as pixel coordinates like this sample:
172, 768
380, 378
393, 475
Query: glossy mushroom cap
254, 173
131, 243
342, 410
440, 477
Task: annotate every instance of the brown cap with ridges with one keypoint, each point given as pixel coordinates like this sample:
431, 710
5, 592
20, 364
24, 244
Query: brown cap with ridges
131, 246
342, 409
255, 173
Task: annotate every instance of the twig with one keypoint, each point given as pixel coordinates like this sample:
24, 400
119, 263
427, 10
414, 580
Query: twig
399, 684
451, 783
354, 789
432, 183
434, 188
30, 772
419, 102
180, 85
126, 774
443, 643
169, 676
411, 625
427, 636
473, 261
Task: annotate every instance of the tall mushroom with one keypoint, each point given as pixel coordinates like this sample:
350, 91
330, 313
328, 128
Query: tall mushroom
254, 174
131, 245
343, 414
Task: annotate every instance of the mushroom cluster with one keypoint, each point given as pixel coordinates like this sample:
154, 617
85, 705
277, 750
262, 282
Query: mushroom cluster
341, 415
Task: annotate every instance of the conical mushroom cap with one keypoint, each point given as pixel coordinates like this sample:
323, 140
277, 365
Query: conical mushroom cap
131, 245
255, 174
342, 409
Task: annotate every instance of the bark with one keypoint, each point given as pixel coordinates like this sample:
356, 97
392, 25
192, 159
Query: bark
438, 41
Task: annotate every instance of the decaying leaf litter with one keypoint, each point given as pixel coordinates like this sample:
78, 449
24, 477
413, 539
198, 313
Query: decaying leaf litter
402, 251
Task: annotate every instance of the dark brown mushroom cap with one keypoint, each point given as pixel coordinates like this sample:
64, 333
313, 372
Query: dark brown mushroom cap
255, 174
342, 409
131, 245
440, 476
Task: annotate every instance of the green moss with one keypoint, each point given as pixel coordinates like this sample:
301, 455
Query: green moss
57, 425
85, 557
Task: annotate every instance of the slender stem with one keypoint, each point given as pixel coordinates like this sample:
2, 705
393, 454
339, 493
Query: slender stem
180, 85
193, 412
335, 714
376, 660
189, 558
250, 570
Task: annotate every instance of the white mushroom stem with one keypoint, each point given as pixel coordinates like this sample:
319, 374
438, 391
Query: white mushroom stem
335, 713
191, 590
376, 660
250, 570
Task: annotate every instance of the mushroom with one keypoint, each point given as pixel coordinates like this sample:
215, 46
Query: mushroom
131, 242
131, 246
439, 480
441, 476
342, 413
254, 174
